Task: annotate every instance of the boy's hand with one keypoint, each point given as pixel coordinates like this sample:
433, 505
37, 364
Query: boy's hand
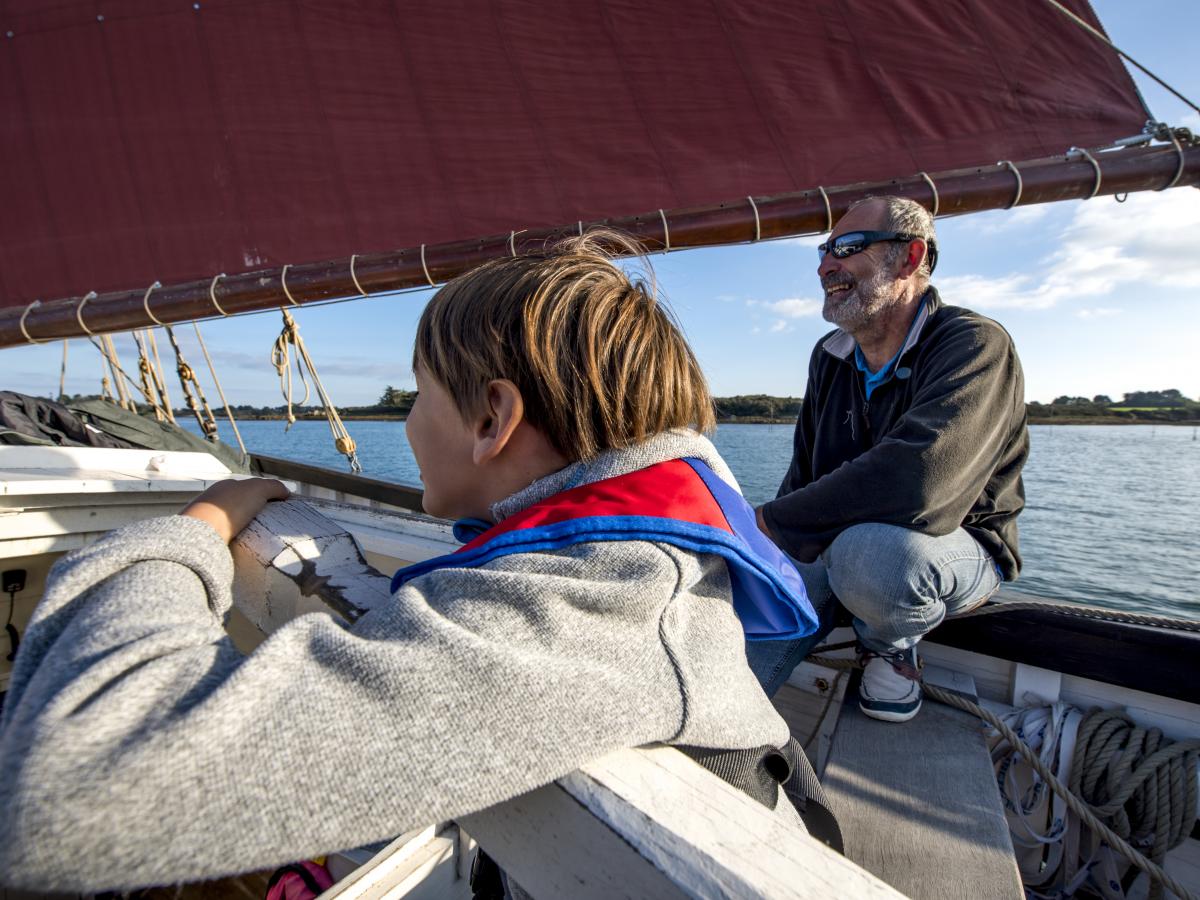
228, 506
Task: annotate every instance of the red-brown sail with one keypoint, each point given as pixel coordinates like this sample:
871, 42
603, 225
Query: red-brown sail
149, 141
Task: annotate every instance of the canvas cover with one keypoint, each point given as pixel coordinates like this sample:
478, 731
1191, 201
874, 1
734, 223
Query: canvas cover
150, 140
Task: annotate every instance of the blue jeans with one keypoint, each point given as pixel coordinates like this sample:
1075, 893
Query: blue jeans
898, 584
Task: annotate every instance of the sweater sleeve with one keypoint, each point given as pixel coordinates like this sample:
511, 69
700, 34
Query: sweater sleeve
928, 471
140, 747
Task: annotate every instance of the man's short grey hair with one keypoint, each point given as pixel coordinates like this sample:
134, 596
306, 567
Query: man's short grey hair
908, 216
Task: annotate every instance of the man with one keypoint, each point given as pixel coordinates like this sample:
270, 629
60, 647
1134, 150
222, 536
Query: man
905, 483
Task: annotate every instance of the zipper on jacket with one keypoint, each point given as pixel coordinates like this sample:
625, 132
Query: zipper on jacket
861, 391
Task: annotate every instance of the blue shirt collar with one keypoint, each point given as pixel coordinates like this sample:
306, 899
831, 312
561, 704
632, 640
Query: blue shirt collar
872, 380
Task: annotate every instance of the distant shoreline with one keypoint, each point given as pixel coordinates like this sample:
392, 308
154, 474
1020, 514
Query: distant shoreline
754, 420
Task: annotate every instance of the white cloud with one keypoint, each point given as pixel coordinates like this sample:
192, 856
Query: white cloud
1098, 312
792, 307
780, 325
1106, 247
1007, 220
811, 241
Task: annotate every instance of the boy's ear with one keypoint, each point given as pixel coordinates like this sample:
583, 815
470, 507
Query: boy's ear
504, 410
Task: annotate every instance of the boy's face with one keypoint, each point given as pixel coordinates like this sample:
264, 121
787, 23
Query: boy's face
443, 445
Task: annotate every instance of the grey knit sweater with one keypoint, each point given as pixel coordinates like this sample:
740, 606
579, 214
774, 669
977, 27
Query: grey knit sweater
138, 746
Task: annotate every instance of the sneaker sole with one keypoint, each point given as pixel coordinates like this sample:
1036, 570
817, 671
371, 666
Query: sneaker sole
890, 715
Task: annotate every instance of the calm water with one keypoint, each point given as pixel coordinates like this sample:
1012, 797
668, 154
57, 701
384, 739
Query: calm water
1111, 517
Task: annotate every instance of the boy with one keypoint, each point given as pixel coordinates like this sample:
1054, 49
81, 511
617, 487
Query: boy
140, 748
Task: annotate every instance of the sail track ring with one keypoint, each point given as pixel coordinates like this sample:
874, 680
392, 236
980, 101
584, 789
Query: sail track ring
79, 313
757, 221
212, 294
933, 187
1012, 167
146, 303
1077, 152
24, 330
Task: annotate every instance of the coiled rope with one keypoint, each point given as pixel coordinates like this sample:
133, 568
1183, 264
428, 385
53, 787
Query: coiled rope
1136, 779
281, 360
1166, 807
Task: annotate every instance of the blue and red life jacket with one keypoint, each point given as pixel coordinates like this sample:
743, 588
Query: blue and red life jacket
681, 502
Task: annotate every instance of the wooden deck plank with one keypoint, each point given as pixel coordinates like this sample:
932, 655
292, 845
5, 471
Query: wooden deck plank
918, 805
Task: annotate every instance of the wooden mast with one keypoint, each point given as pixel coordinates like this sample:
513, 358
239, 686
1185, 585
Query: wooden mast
741, 220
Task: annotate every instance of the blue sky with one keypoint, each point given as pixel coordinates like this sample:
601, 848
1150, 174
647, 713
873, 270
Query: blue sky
1100, 297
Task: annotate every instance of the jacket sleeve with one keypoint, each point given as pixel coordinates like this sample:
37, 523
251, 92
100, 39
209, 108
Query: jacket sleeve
140, 747
928, 471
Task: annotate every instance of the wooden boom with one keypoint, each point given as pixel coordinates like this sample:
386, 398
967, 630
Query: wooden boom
743, 220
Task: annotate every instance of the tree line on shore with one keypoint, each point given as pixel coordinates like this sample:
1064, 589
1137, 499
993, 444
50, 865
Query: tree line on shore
1137, 406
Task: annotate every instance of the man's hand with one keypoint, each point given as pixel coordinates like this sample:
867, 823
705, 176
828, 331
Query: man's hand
228, 506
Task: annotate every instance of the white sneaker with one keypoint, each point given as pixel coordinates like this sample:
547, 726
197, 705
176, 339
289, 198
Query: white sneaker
891, 688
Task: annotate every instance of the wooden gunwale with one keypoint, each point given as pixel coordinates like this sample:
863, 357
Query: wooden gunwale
399, 495
736, 221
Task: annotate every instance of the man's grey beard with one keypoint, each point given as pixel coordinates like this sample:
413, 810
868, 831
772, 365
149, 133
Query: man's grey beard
856, 307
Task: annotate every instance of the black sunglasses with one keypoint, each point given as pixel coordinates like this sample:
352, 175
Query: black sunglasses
857, 241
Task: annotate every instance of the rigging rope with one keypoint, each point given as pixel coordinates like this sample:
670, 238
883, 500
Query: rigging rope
152, 388
1101, 37
191, 385
113, 367
281, 360
104, 344
217, 381
62, 375
161, 377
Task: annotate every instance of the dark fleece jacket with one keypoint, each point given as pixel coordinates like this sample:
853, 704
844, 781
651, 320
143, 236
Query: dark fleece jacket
940, 445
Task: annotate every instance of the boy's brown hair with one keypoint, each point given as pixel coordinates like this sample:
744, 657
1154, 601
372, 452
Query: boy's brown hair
599, 361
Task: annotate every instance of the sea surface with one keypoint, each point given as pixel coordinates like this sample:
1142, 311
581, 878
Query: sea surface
1112, 515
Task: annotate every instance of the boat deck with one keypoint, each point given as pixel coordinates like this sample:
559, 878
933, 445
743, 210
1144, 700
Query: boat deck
916, 801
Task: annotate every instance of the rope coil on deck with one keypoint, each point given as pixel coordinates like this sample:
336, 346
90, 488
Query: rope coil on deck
1092, 816
1144, 785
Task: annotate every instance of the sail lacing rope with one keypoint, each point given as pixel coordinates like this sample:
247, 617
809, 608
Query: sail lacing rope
193, 395
281, 360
